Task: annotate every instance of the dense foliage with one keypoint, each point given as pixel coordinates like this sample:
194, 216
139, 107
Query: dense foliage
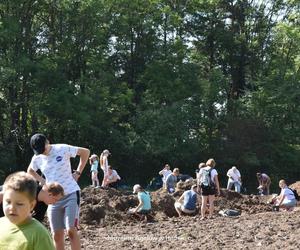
155, 81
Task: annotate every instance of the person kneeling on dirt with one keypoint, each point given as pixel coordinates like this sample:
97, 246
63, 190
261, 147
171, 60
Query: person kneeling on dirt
286, 199
172, 180
144, 206
112, 178
187, 202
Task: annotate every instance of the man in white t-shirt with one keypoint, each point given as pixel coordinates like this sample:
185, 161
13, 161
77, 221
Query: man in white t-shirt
53, 160
234, 178
165, 172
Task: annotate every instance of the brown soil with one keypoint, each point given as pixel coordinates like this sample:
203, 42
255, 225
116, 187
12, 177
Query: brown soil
105, 223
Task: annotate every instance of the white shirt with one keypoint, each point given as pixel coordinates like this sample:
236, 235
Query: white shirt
56, 166
165, 173
289, 195
113, 175
213, 173
235, 175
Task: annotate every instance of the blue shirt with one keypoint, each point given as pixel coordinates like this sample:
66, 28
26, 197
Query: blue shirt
190, 199
145, 198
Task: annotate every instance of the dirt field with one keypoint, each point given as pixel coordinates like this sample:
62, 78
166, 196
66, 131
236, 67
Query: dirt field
106, 225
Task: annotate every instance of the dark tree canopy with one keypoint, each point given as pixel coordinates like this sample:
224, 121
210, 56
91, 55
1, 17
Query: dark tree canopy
155, 81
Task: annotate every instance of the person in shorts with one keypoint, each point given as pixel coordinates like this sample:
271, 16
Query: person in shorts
94, 162
53, 160
208, 192
187, 202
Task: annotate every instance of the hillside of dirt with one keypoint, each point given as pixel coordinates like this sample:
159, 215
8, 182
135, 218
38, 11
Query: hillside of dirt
105, 223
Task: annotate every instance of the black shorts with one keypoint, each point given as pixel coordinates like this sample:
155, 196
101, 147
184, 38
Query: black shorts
144, 212
208, 190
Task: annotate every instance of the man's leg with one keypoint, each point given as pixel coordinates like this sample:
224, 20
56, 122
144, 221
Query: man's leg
59, 239
74, 238
229, 185
71, 219
237, 187
56, 219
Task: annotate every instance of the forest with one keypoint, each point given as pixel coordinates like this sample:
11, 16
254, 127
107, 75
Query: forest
155, 82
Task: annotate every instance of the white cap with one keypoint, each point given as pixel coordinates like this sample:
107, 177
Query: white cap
136, 187
93, 156
106, 152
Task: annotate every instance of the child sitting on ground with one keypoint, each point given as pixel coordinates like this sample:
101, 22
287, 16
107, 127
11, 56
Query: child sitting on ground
18, 230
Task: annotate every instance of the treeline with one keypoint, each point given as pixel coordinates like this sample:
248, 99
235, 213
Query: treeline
154, 81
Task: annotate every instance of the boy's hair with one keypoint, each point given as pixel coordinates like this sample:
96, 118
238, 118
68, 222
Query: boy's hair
21, 182
55, 188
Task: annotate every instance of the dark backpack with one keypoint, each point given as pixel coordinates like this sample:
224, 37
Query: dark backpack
295, 194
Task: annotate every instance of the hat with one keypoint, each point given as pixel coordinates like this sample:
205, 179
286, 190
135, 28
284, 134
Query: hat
136, 187
37, 143
106, 151
93, 156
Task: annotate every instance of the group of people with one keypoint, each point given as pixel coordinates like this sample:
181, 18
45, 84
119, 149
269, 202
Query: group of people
208, 187
58, 190
110, 175
27, 196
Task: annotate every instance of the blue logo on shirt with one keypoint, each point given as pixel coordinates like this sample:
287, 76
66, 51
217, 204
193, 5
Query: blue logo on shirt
58, 158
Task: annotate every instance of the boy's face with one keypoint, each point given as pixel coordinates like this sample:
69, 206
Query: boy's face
17, 207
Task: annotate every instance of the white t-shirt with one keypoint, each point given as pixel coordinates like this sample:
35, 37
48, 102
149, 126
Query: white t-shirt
165, 173
213, 173
235, 175
289, 195
56, 166
113, 175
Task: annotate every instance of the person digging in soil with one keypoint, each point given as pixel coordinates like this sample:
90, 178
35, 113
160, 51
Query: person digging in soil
286, 199
186, 204
144, 207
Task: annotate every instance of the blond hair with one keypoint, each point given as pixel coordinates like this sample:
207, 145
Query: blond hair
211, 162
21, 182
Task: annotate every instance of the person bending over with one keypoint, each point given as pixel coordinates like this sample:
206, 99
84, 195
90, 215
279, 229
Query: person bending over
186, 204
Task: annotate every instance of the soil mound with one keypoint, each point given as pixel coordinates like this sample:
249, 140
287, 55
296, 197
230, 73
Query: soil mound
296, 186
112, 205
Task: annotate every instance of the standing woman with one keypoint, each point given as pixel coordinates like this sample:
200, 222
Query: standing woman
210, 187
94, 162
104, 165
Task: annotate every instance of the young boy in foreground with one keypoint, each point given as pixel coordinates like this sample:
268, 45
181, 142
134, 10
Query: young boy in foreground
18, 230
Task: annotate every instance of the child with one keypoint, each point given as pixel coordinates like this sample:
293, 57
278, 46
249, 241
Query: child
104, 164
94, 170
18, 230
45, 195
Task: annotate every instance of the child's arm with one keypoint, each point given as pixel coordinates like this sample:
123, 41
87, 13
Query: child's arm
39, 178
